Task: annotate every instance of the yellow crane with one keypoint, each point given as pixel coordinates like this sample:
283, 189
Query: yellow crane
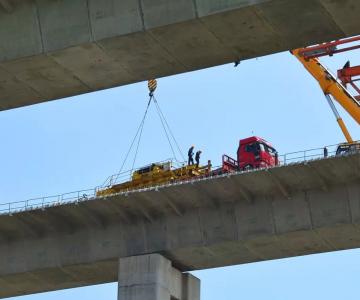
331, 87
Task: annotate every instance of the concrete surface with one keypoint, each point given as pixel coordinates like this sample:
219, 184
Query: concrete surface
152, 277
268, 214
55, 49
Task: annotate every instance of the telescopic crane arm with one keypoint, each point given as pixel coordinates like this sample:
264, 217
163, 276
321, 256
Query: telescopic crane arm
330, 85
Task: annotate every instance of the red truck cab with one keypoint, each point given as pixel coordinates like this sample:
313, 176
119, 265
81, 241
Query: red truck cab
253, 152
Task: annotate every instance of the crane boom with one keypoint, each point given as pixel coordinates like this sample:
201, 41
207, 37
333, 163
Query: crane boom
329, 84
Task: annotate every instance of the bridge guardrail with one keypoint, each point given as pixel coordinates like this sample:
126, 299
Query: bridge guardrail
88, 194
45, 202
305, 155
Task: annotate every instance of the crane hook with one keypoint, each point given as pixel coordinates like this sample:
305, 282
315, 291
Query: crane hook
152, 85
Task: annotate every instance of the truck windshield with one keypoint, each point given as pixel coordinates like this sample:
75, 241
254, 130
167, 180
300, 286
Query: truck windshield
268, 149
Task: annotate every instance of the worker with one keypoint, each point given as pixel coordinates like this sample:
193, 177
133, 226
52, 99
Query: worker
197, 158
191, 155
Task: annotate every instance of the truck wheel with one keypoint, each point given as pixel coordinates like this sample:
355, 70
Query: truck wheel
248, 168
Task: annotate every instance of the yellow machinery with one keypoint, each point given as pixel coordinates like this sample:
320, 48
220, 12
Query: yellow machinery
156, 174
331, 87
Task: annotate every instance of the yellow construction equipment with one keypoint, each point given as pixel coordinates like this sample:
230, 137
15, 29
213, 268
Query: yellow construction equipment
331, 87
156, 174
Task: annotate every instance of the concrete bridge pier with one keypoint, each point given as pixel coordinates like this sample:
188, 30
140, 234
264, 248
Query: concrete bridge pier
152, 277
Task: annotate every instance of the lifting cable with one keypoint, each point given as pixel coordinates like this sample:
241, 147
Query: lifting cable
161, 115
140, 134
163, 125
152, 84
139, 130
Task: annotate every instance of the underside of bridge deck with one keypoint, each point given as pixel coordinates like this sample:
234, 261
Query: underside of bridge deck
56, 49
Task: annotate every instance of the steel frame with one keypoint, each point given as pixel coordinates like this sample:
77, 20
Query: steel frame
347, 75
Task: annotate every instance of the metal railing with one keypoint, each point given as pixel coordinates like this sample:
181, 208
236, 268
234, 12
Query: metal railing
305, 155
48, 201
90, 194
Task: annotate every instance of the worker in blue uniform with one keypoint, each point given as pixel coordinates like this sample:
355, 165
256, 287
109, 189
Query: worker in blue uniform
191, 156
197, 158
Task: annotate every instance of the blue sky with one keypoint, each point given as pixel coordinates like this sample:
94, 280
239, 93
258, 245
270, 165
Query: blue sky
78, 142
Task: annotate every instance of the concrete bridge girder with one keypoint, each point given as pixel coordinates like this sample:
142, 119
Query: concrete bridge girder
216, 226
56, 49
